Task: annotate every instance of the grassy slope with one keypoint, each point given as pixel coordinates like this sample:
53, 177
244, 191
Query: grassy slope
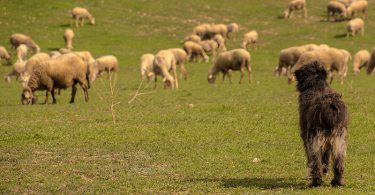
159, 144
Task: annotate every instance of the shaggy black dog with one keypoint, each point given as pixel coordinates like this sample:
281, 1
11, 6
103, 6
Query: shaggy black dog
323, 123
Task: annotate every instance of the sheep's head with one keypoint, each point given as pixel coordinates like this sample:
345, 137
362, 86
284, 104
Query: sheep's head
211, 78
92, 21
286, 14
27, 96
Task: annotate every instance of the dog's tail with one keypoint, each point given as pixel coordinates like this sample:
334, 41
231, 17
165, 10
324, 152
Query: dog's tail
329, 112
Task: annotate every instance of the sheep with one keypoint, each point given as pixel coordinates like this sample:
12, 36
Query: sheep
164, 62
215, 29
332, 59
194, 38
371, 62
233, 30
194, 50
356, 7
108, 63
295, 5
16, 70
221, 42
288, 57
147, 69
29, 65
60, 73
21, 52
181, 58
68, 38
360, 60
336, 8
354, 26
346, 3
202, 30
17, 39
236, 59
250, 38
210, 46
80, 14
5, 55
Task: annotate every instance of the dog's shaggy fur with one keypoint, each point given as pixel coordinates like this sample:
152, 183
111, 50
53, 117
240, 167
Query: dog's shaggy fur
323, 123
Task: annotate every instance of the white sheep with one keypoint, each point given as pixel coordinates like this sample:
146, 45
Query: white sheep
233, 30
357, 7
21, 52
29, 65
17, 69
146, 67
181, 58
287, 58
18, 39
354, 26
5, 55
293, 6
60, 73
334, 9
80, 14
221, 42
250, 38
360, 60
237, 59
215, 29
68, 38
195, 51
108, 63
194, 38
210, 46
165, 62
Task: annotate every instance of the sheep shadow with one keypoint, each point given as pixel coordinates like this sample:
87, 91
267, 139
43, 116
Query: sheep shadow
53, 49
260, 183
280, 17
65, 25
340, 36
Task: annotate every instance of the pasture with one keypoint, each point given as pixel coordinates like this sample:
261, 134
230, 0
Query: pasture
159, 144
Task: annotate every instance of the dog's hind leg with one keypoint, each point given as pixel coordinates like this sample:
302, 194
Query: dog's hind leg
338, 154
325, 158
315, 154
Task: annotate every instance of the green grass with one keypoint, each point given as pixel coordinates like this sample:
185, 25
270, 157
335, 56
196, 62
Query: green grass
159, 144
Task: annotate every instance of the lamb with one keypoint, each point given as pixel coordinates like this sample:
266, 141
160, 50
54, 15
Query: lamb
181, 59
164, 62
16, 70
357, 7
237, 59
194, 38
5, 55
354, 26
250, 38
68, 38
147, 69
17, 39
108, 63
194, 51
233, 30
29, 65
21, 52
221, 42
335, 8
360, 60
332, 59
60, 73
210, 46
295, 5
80, 14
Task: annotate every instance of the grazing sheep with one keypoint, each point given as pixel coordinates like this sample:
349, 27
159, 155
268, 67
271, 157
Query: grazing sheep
181, 58
60, 73
202, 30
210, 46
354, 26
295, 5
250, 38
221, 42
17, 39
288, 57
68, 38
194, 51
220, 29
360, 60
21, 52
147, 69
108, 63
16, 71
334, 9
29, 65
233, 30
5, 55
80, 14
164, 62
357, 7
237, 59
334, 60
371, 62
194, 38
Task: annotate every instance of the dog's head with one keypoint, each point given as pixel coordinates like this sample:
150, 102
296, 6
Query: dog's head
312, 75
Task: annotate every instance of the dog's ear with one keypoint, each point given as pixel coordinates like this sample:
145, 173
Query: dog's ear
320, 70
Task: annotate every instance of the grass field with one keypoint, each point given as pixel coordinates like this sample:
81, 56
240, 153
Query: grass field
159, 144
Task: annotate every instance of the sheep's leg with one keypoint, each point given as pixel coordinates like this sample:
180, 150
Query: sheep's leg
74, 91
183, 73
175, 75
53, 96
46, 100
224, 74
249, 71
76, 21
242, 74
229, 73
82, 22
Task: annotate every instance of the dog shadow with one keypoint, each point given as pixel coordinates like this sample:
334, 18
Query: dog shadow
260, 183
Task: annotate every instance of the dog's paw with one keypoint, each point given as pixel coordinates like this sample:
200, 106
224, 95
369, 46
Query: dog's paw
315, 183
337, 183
